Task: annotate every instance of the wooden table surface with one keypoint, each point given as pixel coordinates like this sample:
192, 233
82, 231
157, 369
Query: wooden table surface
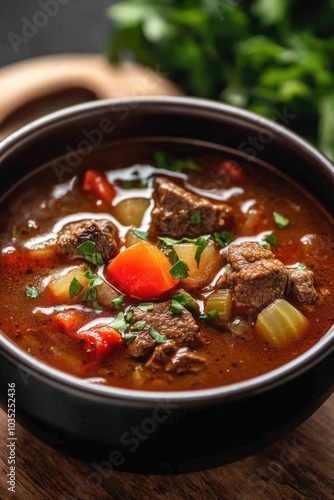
300, 466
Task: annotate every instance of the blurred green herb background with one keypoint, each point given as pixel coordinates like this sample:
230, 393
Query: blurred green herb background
262, 55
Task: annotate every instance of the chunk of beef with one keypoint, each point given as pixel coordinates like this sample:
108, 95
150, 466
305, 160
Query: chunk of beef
181, 328
178, 212
175, 360
256, 277
161, 355
102, 232
185, 361
303, 286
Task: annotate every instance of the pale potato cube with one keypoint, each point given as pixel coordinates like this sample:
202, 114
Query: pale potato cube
209, 263
60, 285
130, 212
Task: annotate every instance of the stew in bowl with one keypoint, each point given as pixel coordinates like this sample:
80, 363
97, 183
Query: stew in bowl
159, 267
166, 270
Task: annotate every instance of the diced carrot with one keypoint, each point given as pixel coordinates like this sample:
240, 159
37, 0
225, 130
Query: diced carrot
68, 321
96, 182
233, 170
100, 340
141, 271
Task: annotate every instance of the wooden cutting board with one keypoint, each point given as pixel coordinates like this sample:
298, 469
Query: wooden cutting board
35, 87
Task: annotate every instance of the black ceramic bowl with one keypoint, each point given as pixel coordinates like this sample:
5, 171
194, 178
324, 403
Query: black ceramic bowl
151, 432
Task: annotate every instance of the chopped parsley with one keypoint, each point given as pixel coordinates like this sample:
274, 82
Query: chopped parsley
211, 315
75, 288
196, 217
280, 220
129, 337
32, 292
87, 250
129, 314
118, 302
81, 342
158, 337
146, 306
301, 266
223, 238
271, 239
185, 300
201, 242
179, 270
176, 307
139, 326
133, 184
169, 163
119, 323
94, 282
140, 234
265, 245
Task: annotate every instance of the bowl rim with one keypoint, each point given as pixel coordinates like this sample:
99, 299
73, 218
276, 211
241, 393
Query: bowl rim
255, 385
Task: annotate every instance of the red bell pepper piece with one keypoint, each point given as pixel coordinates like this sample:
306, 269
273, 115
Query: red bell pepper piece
100, 340
96, 182
233, 170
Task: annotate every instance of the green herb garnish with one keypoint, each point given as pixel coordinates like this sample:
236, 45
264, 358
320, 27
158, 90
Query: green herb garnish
271, 239
32, 292
94, 282
223, 238
196, 217
118, 302
129, 337
139, 326
301, 266
81, 342
180, 270
146, 306
169, 163
160, 338
280, 220
185, 300
87, 250
75, 288
143, 235
176, 307
119, 323
211, 315
201, 242
133, 184
129, 314
271, 57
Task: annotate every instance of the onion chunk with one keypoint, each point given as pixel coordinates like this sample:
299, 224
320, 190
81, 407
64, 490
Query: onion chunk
280, 323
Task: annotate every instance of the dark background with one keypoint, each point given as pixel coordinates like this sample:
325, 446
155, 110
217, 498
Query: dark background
78, 26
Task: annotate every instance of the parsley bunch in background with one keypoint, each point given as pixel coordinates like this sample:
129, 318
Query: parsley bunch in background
262, 55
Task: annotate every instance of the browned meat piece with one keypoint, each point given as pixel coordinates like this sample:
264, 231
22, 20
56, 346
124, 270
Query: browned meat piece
178, 212
256, 276
161, 355
303, 286
102, 232
169, 357
185, 361
182, 328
